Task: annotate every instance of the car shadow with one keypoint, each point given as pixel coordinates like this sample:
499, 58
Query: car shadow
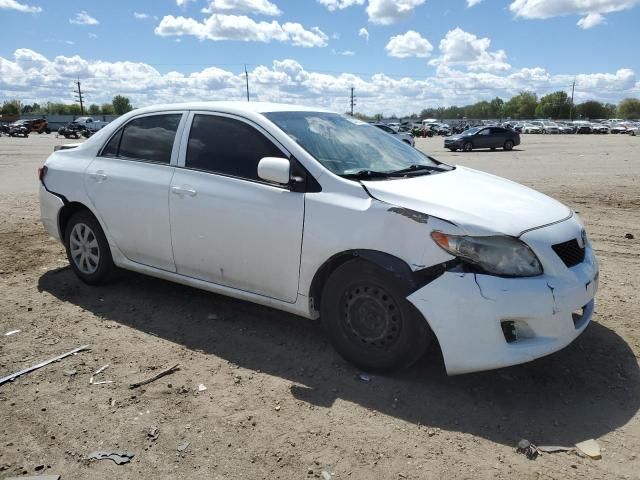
585, 391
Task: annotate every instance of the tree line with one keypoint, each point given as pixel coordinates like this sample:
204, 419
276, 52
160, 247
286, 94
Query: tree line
119, 105
527, 105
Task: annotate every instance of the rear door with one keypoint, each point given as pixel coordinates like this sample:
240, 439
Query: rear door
128, 184
498, 137
228, 226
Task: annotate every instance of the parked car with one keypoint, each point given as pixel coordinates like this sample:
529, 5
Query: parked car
634, 129
402, 136
618, 128
583, 127
566, 128
550, 127
19, 128
90, 123
74, 130
600, 128
483, 137
319, 215
40, 125
531, 128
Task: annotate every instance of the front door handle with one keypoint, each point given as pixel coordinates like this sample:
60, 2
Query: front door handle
98, 176
184, 190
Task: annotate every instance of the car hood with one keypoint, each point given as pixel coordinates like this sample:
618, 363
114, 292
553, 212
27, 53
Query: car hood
478, 202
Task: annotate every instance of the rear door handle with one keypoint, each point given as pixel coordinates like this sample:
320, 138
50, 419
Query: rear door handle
98, 176
184, 190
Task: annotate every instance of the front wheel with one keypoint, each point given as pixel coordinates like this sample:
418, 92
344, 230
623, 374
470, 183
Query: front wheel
369, 321
467, 147
508, 145
87, 249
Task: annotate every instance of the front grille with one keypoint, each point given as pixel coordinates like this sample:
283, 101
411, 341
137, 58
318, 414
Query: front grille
571, 253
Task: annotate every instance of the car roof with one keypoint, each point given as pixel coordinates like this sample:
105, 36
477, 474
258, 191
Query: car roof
237, 107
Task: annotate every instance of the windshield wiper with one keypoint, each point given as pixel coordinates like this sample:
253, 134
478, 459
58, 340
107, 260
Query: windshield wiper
417, 168
366, 174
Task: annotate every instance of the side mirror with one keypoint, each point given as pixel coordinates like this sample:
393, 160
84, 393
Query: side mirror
274, 169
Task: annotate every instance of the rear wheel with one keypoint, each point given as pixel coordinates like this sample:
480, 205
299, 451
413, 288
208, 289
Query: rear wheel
369, 321
508, 145
87, 249
467, 147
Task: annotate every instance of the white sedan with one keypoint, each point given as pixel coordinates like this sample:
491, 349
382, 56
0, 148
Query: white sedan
322, 215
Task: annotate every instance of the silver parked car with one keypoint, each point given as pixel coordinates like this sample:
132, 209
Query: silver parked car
403, 136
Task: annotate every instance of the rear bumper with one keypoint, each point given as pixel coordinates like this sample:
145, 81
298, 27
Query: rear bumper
50, 206
470, 314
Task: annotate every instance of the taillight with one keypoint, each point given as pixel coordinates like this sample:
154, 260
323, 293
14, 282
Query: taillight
42, 171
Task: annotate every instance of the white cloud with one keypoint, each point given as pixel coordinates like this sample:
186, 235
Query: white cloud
590, 20
592, 10
256, 7
20, 7
386, 12
241, 28
334, 5
409, 44
83, 18
141, 15
463, 48
473, 3
344, 53
363, 32
183, 3
30, 76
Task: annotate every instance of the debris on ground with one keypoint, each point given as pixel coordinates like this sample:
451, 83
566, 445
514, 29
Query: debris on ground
11, 332
364, 377
183, 446
13, 376
70, 373
97, 372
118, 457
153, 433
554, 449
528, 449
325, 475
202, 387
590, 448
629, 236
163, 373
35, 477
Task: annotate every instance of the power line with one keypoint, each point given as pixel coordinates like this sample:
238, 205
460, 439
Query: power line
79, 97
353, 100
246, 77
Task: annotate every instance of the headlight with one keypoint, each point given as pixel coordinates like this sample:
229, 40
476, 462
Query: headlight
498, 255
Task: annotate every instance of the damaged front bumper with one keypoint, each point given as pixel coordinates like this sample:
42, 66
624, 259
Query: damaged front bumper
484, 322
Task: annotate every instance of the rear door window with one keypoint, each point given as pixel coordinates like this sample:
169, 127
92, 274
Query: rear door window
148, 139
227, 146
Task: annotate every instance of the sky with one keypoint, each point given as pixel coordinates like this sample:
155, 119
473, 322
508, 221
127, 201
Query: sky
400, 56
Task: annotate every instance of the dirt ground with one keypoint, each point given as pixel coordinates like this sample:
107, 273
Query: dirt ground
279, 403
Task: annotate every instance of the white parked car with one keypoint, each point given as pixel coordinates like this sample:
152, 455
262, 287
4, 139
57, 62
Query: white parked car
531, 128
322, 215
405, 137
90, 123
550, 127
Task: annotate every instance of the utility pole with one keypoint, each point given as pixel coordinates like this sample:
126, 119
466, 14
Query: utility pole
79, 97
246, 77
353, 101
573, 88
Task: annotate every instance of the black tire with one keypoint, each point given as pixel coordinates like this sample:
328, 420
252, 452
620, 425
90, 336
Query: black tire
493, 149
508, 145
369, 321
454, 149
47, 131
467, 147
39, 132
92, 273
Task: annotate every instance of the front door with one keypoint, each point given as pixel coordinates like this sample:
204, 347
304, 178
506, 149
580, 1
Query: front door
228, 226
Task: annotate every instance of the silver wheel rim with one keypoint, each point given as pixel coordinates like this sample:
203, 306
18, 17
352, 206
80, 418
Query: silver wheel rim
84, 248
